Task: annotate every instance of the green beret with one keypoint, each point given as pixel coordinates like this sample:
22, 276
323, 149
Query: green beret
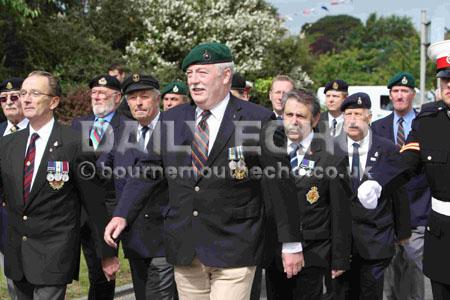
402, 79
208, 53
175, 87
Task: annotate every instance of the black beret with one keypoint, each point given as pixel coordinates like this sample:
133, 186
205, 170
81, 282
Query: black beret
356, 100
336, 85
237, 82
105, 81
11, 84
402, 79
138, 82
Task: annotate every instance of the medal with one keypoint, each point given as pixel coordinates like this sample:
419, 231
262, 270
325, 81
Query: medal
50, 177
65, 177
65, 171
233, 165
56, 185
313, 195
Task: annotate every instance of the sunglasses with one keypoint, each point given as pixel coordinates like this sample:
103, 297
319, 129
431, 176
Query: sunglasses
13, 98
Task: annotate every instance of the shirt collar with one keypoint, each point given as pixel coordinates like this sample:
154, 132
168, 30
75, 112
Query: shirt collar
217, 111
107, 118
45, 131
339, 119
362, 143
22, 124
407, 118
152, 124
306, 142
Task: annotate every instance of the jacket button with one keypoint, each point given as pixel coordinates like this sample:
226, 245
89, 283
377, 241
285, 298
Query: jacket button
428, 228
195, 213
146, 216
25, 218
4, 204
24, 238
197, 188
429, 157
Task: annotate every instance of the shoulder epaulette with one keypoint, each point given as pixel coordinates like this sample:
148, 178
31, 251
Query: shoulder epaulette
431, 108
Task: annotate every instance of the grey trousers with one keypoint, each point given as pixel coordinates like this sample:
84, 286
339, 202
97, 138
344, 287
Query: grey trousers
29, 291
403, 278
9, 282
153, 279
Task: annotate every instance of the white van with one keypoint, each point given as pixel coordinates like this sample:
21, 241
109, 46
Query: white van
379, 95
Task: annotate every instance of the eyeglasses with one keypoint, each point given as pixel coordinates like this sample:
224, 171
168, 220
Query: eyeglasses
13, 98
102, 94
33, 93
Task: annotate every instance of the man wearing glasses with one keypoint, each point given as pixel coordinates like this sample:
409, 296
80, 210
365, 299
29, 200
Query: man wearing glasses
15, 120
98, 131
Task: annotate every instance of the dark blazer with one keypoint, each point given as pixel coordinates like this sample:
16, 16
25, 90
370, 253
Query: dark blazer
3, 126
3, 215
84, 124
325, 223
217, 219
419, 193
375, 230
43, 234
143, 238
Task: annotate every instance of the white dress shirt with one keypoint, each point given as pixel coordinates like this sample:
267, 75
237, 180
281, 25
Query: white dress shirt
305, 144
339, 123
214, 120
363, 151
41, 144
22, 125
151, 127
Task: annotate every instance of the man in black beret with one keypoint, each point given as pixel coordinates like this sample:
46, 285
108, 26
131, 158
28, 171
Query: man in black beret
331, 121
98, 131
239, 87
376, 225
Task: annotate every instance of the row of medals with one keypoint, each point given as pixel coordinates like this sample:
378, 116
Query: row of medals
238, 169
56, 180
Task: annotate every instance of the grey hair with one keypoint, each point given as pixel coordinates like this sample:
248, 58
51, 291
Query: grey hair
302, 96
226, 65
155, 93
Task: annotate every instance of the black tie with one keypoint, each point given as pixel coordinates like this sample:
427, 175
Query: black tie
142, 137
355, 167
333, 128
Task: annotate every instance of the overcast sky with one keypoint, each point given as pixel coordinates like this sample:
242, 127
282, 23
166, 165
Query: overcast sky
295, 11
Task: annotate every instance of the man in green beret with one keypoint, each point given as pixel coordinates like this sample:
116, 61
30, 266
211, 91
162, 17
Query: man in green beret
214, 222
404, 278
173, 94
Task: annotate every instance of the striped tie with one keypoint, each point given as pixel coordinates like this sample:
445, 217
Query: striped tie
97, 132
400, 133
293, 157
28, 167
199, 147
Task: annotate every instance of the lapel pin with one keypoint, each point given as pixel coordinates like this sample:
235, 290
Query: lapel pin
55, 144
51, 149
373, 159
376, 154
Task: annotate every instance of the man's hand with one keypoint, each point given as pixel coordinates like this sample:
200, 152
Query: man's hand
292, 263
110, 266
336, 273
113, 230
368, 193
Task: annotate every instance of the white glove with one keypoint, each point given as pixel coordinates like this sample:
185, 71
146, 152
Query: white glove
368, 193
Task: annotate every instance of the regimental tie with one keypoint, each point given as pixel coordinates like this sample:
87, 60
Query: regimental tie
294, 157
97, 132
142, 133
356, 168
199, 147
28, 167
333, 127
14, 128
400, 133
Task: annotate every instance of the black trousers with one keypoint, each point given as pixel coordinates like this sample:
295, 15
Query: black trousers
364, 280
441, 291
306, 285
29, 291
153, 279
99, 287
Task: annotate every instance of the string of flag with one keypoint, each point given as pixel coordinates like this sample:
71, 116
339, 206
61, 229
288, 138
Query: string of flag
319, 9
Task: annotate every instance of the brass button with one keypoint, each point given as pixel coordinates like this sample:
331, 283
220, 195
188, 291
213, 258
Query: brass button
195, 213
146, 216
197, 188
429, 157
24, 238
4, 204
25, 218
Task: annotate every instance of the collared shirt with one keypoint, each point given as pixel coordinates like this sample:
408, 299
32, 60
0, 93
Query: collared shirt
151, 127
107, 119
41, 144
363, 151
407, 123
339, 124
277, 116
22, 125
305, 143
214, 120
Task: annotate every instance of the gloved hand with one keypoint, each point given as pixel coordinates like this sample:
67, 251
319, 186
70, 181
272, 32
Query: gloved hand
368, 193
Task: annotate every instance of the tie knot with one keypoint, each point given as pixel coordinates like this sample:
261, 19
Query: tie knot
334, 122
34, 137
144, 130
356, 145
401, 120
204, 115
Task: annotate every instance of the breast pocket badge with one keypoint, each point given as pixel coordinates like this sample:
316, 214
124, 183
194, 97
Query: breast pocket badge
313, 195
57, 174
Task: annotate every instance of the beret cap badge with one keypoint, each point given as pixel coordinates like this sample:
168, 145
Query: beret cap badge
359, 101
136, 77
175, 89
404, 80
9, 86
102, 81
335, 86
206, 55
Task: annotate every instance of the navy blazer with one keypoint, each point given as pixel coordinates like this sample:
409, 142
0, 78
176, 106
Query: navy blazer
375, 230
143, 238
218, 218
419, 193
3, 215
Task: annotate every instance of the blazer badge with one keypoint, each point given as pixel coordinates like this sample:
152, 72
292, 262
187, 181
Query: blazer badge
313, 195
